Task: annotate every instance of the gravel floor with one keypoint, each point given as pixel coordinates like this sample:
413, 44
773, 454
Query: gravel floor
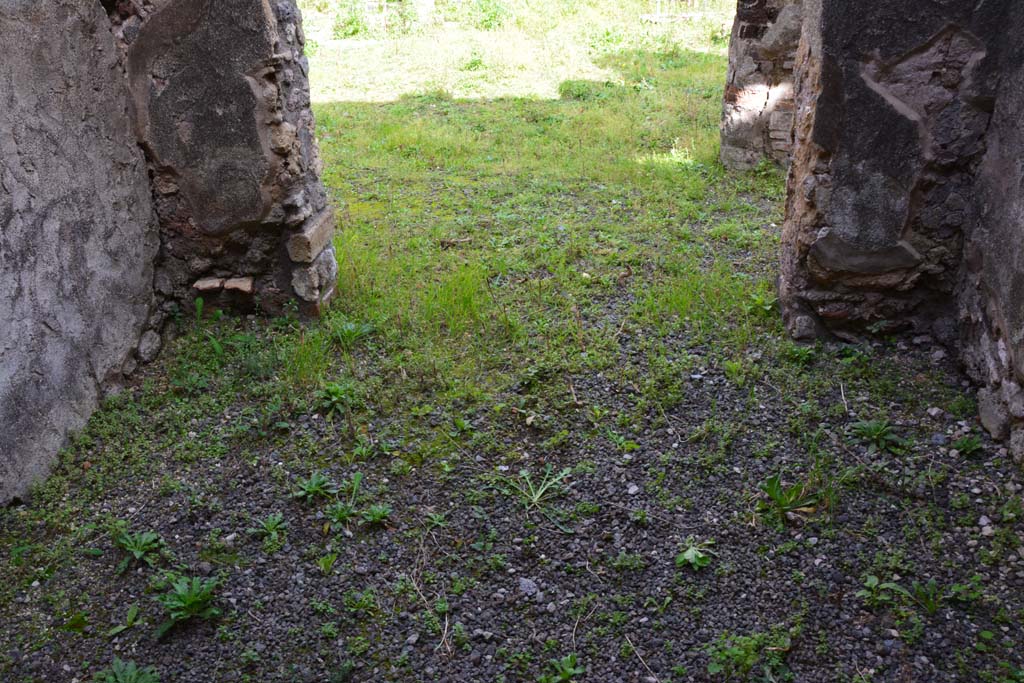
475, 577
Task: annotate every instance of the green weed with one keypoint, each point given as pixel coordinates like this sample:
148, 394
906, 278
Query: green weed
142, 546
781, 501
316, 485
185, 599
126, 672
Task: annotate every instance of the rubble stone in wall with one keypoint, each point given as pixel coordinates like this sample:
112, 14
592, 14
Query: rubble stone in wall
221, 95
904, 207
757, 112
991, 290
893, 104
77, 230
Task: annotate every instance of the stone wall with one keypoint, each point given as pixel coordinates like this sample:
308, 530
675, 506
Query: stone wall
151, 151
904, 208
221, 96
78, 235
991, 294
757, 111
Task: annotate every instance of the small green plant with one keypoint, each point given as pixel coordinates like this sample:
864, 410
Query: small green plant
335, 398
462, 426
348, 334
1012, 510
762, 303
488, 15
564, 670
735, 656
273, 530
879, 436
971, 591
126, 672
785, 500
364, 602
131, 620
735, 372
349, 21
140, 546
585, 91
342, 512
338, 399
75, 622
628, 562
436, 520
695, 555
326, 563
187, 598
928, 596
537, 494
986, 639
317, 485
877, 593
968, 445
963, 407
475, 63
363, 447
199, 303
624, 444
377, 515
799, 355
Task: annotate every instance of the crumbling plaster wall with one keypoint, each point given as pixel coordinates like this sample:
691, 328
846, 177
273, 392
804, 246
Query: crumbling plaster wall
78, 234
757, 110
902, 210
151, 151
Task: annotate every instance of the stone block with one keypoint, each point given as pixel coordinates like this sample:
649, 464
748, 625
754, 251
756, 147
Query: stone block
315, 283
1013, 397
149, 346
243, 285
994, 416
305, 245
209, 284
781, 121
1017, 444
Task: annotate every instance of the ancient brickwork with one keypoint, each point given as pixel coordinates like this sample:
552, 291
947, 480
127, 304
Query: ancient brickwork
903, 211
758, 108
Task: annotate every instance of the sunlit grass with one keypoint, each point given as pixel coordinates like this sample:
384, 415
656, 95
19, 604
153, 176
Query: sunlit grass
527, 50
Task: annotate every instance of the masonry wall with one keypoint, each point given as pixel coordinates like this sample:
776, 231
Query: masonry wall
78, 235
758, 108
902, 209
991, 296
151, 151
220, 92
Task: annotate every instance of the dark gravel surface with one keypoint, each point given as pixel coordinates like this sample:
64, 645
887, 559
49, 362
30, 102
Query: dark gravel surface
495, 589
